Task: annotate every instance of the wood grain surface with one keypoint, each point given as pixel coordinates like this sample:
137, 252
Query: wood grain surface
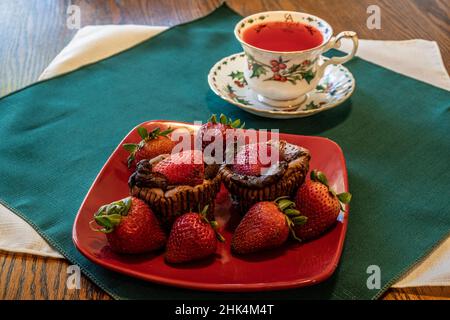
32, 32
32, 277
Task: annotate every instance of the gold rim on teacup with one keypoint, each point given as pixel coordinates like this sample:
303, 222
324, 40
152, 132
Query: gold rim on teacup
309, 69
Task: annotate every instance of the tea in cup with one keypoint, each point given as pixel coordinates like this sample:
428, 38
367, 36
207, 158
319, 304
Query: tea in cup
283, 51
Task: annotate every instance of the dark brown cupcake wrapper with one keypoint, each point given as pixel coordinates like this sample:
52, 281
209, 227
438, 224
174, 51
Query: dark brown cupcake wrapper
168, 208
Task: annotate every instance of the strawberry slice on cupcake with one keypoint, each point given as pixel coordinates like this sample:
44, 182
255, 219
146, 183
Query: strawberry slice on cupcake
184, 168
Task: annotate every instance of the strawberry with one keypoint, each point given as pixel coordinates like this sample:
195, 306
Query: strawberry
248, 159
320, 204
152, 144
266, 225
216, 129
183, 168
192, 237
130, 226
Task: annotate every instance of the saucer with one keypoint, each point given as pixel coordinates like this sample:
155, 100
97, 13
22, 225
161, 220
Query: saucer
226, 79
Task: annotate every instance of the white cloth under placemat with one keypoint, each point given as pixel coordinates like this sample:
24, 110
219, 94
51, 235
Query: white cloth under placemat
94, 43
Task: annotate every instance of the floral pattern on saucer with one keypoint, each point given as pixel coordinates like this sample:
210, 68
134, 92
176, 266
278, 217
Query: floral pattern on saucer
279, 71
227, 80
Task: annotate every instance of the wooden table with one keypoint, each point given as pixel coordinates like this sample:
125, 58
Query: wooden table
32, 32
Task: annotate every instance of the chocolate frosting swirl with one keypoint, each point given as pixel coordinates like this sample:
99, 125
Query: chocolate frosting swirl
143, 177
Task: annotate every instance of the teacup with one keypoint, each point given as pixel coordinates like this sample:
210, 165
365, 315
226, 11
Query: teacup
302, 70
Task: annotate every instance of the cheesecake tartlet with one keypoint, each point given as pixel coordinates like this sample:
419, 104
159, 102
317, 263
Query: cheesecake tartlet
171, 188
249, 183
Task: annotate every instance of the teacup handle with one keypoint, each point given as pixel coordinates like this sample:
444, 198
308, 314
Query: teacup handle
335, 43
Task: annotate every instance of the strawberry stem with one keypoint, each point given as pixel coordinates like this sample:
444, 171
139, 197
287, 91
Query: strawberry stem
109, 216
158, 133
226, 121
319, 176
143, 133
215, 225
345, 197
291, 212
213, 119
108, 222
294, 235
220, 237
280, 198
284, 203
236, 123
292, 215
300, 220
132, 148
204, 212
291, 229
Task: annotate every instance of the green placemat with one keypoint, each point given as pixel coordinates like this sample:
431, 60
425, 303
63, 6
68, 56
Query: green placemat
56, 135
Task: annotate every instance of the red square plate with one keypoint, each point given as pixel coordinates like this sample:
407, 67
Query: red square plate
294, 265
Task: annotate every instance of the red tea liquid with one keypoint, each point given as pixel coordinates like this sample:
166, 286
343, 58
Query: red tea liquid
283, 36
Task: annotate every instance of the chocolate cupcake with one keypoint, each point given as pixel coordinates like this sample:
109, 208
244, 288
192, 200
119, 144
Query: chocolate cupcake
171, 189
248, 184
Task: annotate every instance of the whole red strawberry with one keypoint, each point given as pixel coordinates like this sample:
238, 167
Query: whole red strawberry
217, 129
183, 168
320, 204
130, 226
152, 144
265, 226
192, 237
249, 159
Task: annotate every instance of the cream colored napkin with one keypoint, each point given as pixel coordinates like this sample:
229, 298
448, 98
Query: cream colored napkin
418, 59
94, 43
